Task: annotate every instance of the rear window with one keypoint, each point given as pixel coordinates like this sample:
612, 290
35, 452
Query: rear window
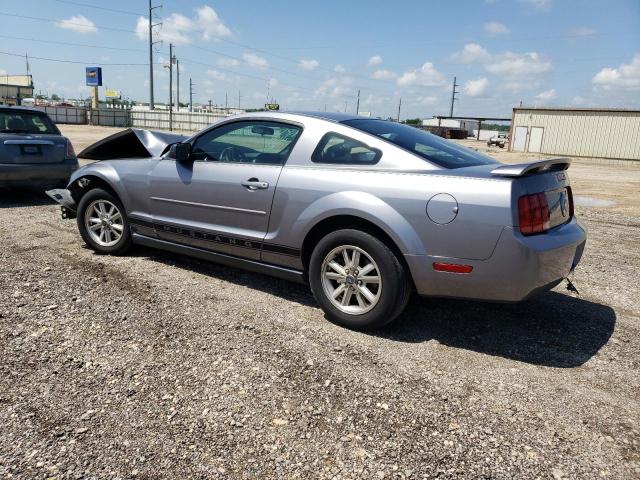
439, 151
26, 122
338, 149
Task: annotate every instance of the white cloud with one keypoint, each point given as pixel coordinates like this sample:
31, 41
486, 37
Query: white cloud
255, 61
625, 76
547, 95
475, 88
578, 100
428, 100
177, 28
425, 76
335, 87
228, 62
216, 75
542, 5
375, 60
472, 52
582, 31
210, 24
78, 23
339, 69
273, 82
384, 75
518, 64
308, 64
495, 28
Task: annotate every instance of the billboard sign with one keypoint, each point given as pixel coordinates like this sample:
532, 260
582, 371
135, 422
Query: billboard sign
112, 93
94, 76
272, 106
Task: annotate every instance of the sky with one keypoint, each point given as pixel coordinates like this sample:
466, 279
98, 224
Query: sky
317, 55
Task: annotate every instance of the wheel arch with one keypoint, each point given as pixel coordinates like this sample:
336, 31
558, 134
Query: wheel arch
87, 180
348, 221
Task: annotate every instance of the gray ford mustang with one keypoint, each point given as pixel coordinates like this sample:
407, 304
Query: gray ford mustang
366, 211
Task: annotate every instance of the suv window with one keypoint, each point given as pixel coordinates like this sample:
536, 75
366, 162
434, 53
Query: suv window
338, 149
26, 122
259, 142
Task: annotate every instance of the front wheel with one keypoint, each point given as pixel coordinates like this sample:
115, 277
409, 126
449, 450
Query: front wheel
358, 281
103, 223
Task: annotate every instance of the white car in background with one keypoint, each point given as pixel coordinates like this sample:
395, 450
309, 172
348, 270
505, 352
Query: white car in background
499, 140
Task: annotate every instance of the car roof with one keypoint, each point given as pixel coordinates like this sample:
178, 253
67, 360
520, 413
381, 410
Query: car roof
20, 108
326, 116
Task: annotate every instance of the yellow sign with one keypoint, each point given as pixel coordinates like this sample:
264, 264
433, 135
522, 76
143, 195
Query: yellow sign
271, 106
111, 93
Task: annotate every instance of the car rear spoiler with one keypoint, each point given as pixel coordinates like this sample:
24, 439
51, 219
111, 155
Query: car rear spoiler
131, 143
522, 169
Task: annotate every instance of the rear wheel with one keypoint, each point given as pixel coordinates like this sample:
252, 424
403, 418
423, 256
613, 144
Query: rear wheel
357, 280
103, 223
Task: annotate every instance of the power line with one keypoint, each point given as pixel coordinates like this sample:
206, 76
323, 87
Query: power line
88, 5
84, 62
48, 20
71, 44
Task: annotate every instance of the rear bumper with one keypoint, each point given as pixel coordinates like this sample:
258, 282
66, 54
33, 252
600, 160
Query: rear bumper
518, 268
30, 174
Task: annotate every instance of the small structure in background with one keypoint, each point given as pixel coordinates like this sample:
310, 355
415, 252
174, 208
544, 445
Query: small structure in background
15, 88
610, 133
451, 124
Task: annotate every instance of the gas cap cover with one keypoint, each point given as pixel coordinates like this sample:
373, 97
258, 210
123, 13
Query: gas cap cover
442, 208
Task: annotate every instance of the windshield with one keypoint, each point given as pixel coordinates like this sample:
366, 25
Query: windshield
15, 121
437, 150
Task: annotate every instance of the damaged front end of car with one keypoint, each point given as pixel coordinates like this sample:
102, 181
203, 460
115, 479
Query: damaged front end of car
131, 143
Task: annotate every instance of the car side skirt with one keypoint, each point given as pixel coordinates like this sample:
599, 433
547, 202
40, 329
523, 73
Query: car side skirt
221, 258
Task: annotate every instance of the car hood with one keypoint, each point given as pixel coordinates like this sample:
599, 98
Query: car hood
131, 143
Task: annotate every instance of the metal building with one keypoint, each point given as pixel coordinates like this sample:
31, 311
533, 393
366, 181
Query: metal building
15, 88
577, 132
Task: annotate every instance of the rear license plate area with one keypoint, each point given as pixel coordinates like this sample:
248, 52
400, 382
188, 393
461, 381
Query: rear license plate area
30, 149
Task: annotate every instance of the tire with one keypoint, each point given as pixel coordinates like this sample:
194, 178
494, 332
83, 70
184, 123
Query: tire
382, 301
104, 211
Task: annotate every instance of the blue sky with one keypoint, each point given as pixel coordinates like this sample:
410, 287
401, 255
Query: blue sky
312, 54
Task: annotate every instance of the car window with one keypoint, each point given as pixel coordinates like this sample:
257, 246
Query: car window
437, 150
259, 142
338, 149
26, 122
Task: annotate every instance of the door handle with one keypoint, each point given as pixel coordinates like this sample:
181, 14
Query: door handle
255, 184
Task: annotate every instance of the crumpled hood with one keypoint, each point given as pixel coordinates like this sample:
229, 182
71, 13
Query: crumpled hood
131, 143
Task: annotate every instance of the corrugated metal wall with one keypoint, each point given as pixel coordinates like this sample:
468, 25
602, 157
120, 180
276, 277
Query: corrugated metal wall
597, 134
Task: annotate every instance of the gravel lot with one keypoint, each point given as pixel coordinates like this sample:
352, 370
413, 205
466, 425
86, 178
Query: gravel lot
156, 366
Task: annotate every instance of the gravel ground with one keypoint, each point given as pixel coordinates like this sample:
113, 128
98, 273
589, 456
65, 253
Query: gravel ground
156, 366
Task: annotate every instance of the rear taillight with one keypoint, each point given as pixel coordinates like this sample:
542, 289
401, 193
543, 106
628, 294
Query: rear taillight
570, 194
70, 151
533, 212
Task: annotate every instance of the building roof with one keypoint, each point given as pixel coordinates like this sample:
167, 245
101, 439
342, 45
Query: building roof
574, 109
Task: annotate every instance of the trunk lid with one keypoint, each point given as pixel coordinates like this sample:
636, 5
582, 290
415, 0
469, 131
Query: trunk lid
23, 148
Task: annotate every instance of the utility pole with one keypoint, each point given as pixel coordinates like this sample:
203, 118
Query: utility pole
358, 103
178, 84
151, 25
210, 110
453, 96
171, 86
190, 95
239, 99
226, 101
399, 106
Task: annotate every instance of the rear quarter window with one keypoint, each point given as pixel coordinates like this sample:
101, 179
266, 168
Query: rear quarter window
338, 149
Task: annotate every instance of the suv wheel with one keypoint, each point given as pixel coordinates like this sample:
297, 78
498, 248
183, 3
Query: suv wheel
103, 223
357, 280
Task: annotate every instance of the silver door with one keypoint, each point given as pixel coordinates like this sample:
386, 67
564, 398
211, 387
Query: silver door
221, 199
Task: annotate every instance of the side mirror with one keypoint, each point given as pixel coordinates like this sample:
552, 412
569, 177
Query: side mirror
180, 151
